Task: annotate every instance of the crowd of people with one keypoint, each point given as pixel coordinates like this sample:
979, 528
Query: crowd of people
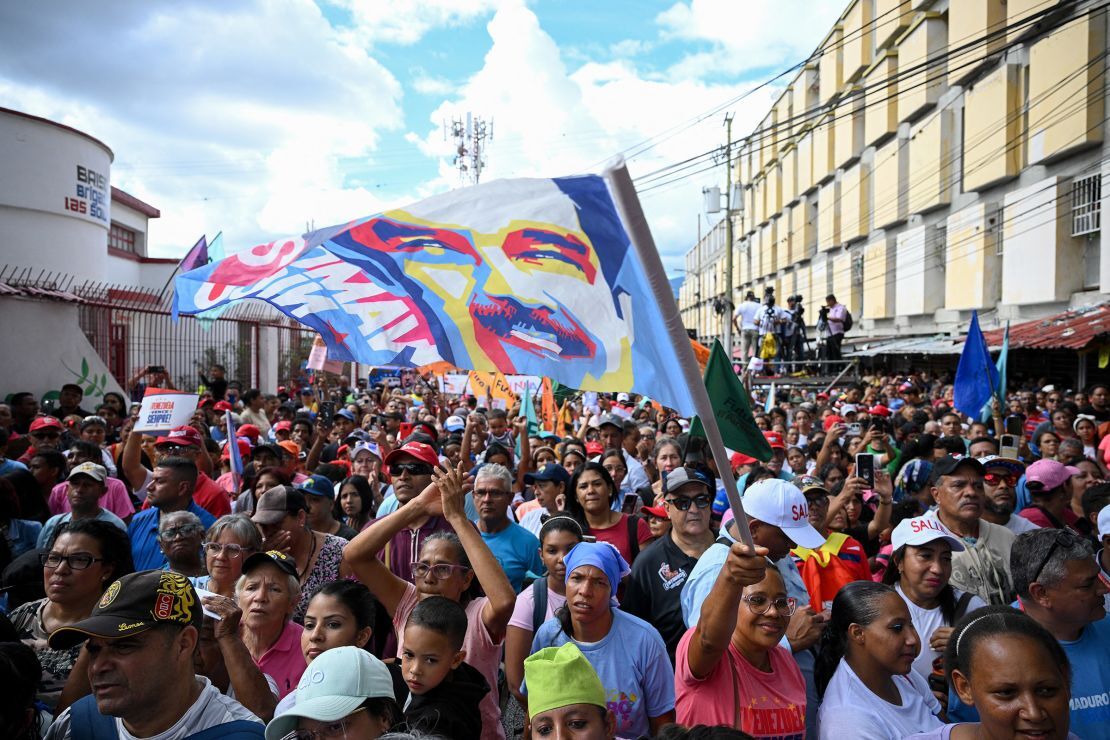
400, 563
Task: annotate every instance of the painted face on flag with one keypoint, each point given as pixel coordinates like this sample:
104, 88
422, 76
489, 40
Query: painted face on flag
511, 287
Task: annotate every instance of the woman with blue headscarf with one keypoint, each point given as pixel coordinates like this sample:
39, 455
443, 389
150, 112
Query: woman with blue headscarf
628, 654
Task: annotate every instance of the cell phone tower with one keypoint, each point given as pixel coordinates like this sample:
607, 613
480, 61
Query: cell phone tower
470, 137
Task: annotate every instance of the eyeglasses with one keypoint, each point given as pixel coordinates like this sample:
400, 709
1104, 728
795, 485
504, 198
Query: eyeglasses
172, 533
760, 605
330, 731
615, 468
488, 493
77, 561
994, 479
818, 501
175, 449
683, 503
233, 551
440, 571
46, 434
410, 468
1062, 538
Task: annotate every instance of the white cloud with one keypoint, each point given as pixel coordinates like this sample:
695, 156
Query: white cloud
550, 121
225, 117
428, 85
406, 21
754, 34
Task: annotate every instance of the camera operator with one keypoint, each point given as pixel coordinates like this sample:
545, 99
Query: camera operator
793, 329
836, 315
772, 321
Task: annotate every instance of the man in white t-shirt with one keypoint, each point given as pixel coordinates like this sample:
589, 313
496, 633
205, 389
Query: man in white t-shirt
745, 320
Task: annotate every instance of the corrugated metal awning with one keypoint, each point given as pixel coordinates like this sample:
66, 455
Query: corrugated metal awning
1074, 329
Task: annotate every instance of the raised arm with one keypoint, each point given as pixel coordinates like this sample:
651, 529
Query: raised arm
885, 490
360, 556
251, 688
131, 462
499, 592
832, 437
464, 449
525, 462
743, 567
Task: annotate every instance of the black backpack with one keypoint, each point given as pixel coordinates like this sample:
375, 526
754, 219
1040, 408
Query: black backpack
848, 322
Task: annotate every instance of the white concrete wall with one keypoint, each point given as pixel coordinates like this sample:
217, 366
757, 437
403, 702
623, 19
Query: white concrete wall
919, 274
40, 176
54, 354
1041, 262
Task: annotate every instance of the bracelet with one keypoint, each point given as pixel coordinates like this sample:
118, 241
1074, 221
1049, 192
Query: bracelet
886, 502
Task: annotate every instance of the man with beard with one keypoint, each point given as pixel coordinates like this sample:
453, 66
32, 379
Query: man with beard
1000, 479
410, 468
983, 568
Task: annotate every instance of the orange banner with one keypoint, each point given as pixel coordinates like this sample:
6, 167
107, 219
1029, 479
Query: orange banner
547, 405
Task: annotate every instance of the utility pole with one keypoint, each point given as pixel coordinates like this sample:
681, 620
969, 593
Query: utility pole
728, 236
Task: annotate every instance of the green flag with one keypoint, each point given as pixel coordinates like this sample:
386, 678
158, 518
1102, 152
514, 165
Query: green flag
733, 408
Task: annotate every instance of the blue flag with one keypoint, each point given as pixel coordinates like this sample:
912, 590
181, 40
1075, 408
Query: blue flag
976, 376
233, 448
1000, 389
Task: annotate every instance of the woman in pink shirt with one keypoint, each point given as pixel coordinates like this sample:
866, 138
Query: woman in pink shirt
454, 566
730, 669
267, 594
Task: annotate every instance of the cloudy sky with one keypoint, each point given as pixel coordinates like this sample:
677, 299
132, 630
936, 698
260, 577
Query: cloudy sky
257, 117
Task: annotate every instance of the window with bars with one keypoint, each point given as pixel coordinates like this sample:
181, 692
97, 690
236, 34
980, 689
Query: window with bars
122, 238
1086, 205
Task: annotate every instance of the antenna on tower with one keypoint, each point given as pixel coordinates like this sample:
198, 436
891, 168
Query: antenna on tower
470, 136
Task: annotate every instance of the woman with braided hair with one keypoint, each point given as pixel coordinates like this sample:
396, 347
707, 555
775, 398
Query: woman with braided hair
1013, 671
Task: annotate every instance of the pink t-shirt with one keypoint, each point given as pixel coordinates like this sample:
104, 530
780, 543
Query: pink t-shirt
481, 652
115, 499
767, 705
284, 662
522, 612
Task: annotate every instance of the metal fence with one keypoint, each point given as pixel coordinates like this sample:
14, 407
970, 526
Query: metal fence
131, 329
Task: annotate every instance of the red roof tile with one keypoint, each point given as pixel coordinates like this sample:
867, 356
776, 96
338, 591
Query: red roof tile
1073, 329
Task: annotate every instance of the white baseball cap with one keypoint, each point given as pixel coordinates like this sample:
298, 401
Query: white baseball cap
332, 686
922, 530
1104, 521
454, 424
781, 504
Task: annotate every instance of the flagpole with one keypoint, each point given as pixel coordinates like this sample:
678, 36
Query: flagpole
632, 214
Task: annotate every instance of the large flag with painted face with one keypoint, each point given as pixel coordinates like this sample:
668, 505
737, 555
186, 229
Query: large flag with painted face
529, 276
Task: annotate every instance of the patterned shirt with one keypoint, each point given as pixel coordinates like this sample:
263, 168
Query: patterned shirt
326, 569
56, 664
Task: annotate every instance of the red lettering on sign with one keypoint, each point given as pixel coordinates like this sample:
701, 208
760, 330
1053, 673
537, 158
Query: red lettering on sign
919, 524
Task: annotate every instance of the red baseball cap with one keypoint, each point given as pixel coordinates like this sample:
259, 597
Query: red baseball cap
594, 448
184, 436
422, 452
879, 410
249, 430
244, 449
832, 419
221, 406
739, 458
656, 511
45, 422
775, 440
283, 426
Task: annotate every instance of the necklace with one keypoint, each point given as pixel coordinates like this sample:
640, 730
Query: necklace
309, 560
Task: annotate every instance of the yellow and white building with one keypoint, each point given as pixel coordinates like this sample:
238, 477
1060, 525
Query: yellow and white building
931, 158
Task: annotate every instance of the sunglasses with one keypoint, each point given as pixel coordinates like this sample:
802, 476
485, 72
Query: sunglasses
172, 533
994, 479
1062, 539
175, 449
683, 503
410, 468
46, 435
